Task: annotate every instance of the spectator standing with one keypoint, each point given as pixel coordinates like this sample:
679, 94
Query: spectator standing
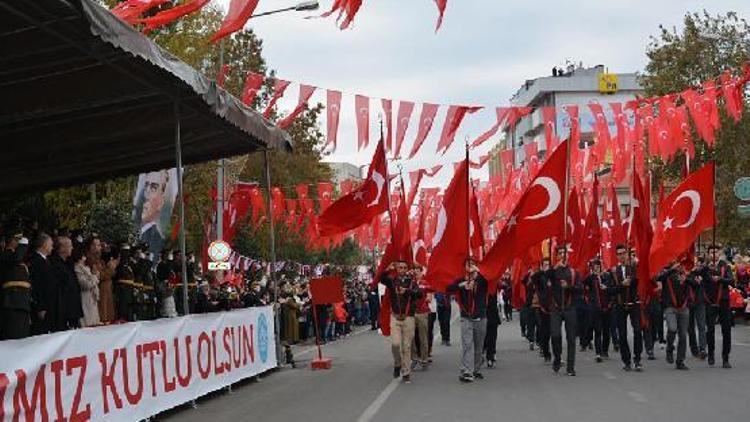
89, 282
106, 296
62, 269
46, 292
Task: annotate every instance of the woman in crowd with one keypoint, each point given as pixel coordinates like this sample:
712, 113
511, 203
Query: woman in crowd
106, 298
89, 282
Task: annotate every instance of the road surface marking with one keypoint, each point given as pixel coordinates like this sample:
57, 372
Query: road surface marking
737, 343
610, 376
373, 408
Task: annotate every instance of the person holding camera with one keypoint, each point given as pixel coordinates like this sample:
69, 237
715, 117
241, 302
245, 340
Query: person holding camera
404, 293
472, 299
566, 289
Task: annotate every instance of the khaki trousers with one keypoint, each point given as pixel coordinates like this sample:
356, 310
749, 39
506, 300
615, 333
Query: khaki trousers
420, 322
402, 334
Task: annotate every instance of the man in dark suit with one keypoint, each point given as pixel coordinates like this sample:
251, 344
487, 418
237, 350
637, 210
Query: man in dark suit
71, 311
627, 305
45, 291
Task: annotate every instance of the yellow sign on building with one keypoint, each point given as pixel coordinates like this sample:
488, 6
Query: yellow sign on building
607, 83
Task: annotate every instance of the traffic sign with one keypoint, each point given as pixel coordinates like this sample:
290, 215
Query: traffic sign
216, 266
742, 188
219, 251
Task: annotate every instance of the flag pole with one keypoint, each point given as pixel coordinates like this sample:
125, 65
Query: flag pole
568, 147
468, 200
387, 181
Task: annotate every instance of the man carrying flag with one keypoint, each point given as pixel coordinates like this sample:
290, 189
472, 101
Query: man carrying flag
472, 290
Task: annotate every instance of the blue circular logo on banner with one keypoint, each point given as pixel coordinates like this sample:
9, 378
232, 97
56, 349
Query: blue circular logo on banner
263, 337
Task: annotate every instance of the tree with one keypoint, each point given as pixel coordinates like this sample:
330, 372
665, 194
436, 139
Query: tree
706, 46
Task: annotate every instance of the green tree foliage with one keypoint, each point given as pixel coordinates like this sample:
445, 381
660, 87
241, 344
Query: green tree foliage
706, 46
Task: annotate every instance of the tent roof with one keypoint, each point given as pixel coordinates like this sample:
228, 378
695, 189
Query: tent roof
86, 98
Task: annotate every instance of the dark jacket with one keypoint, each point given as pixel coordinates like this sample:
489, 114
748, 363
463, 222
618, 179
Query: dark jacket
473, 303
402, 304
674, 289
717, 291
13, 269
72, 309
46, 293
625, 295
568, 297
540, 280
597, 290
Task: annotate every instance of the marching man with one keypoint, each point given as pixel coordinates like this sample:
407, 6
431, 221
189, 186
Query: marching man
404, 293
472, 299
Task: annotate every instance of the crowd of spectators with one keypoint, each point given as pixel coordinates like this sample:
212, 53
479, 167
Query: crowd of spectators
299, 315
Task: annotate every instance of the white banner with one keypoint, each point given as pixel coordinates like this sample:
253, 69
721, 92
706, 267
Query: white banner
131, 371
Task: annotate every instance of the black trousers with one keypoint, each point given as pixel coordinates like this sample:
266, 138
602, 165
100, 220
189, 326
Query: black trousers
374, 317
444, 319
543, 331
723, 315
582, 317
632, 312
490, 338
656, 327
431, 318
600, 321
528, 318
556, 320
508, 311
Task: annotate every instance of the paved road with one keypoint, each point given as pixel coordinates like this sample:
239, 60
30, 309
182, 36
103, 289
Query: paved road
521, 388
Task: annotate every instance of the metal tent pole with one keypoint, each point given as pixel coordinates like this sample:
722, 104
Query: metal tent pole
272, 255
181, 196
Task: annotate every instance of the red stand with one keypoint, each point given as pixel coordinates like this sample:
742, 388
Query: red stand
320, 362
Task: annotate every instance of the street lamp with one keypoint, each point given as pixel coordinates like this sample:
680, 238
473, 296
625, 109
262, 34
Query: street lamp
299, 7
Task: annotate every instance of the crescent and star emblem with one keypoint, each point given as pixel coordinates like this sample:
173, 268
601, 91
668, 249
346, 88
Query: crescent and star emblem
695, 204
554, 197
379, 182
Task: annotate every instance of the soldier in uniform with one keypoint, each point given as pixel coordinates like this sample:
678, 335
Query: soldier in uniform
125, 291
717, 278
627, 305
566, 288
16, 303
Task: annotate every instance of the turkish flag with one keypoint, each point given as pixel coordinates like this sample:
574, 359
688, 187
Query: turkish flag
573, 227
279, 87
399, 248
441, 4
360, 206
420, 246
426, 118
640, 229
253, 82
277, 195
550, 122
325, 194
405, 109
362, 110
327, 290
575, 126
475, 225
131, 10
588, 241
683, 215
502, 113
453, 118
168, 16
530, 223
333, 110
388, 111
305, 92
451, 240
240, 12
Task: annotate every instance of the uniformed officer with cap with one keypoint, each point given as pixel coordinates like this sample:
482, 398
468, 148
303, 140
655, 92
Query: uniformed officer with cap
16, 302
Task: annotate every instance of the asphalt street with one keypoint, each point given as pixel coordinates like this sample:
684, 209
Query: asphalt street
360, 387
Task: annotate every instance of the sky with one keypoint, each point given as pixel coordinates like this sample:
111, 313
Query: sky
483, 53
